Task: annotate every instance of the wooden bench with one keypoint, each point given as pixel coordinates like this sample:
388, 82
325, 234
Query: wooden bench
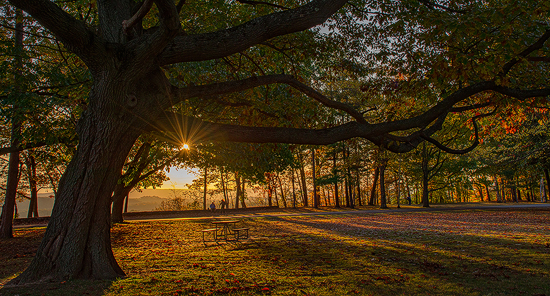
238, 232
207, 231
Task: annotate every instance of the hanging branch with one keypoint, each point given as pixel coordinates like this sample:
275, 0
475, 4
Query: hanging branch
460, 151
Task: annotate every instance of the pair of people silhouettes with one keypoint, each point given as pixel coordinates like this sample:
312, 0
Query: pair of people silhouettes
223, 204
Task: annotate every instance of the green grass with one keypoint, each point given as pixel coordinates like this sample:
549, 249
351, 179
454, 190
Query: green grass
412, 253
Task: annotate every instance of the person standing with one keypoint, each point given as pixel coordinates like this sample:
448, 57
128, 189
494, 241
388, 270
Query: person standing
212, 207
222, 205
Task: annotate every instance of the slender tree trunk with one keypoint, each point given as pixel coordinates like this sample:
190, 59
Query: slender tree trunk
547, 176
269, 191
120, 194
499, 198
293, 189
238, 188
335, 172
243, 193
304, 185
6, 221
31, 175
373, 188
425, 178
488, 193
126, 203
205, 188
315, 197
382, 184
359, 199
283, 197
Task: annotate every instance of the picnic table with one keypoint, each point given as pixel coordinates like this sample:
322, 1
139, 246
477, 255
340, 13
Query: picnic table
226, 230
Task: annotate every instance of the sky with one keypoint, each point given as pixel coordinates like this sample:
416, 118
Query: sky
178, 178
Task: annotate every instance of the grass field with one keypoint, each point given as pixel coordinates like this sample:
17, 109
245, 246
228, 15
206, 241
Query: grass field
474, 252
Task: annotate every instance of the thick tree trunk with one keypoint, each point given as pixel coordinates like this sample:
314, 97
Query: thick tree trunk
77, 241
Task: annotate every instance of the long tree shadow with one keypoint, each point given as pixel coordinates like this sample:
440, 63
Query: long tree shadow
452, 260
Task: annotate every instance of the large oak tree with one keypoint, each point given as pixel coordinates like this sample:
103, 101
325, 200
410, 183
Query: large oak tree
129, 58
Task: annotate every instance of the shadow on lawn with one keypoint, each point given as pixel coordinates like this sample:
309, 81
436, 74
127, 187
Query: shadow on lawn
412, 255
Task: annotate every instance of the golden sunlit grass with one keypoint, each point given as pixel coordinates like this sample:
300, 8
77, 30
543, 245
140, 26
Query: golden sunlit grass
418, 253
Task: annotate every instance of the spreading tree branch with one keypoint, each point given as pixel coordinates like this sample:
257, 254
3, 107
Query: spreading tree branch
27, 146
204, 91
72, 32
214, 45
127, 25
461, 151
254, 3
522, 55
